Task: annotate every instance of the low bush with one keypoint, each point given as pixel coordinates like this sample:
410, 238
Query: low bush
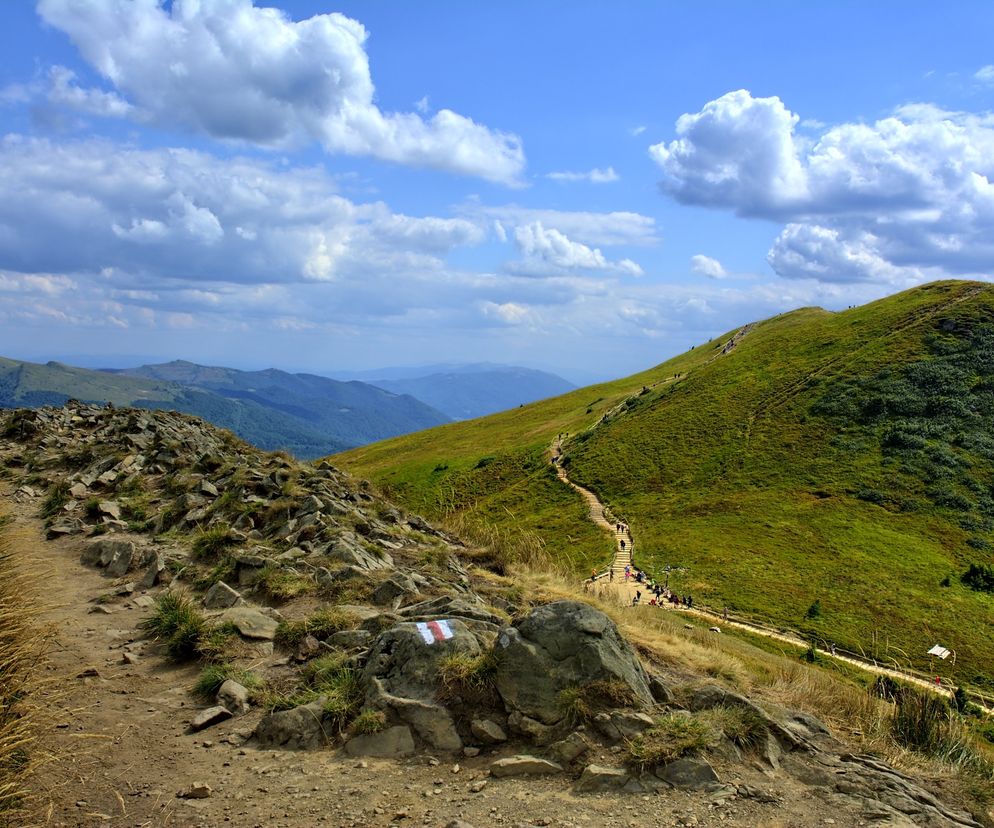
369, 721
471, 678
281, 584
581, 703
212, 542
183, 629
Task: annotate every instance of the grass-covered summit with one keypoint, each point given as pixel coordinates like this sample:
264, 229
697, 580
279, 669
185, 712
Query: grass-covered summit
844, 458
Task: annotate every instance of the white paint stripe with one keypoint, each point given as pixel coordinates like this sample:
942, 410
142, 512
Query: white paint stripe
426, 634
446, 629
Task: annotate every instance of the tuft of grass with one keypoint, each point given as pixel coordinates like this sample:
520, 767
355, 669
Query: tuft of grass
673, 736
214, 675
922, 721
369, 721
325, 678
56, 497
322, 625
280, 584
210, 543
470, 677
184, 631
743, 727
581, 703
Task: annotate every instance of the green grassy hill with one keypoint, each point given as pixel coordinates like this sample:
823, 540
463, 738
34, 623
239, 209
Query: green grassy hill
845, 458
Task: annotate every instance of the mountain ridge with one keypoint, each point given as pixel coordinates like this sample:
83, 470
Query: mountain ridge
722, 462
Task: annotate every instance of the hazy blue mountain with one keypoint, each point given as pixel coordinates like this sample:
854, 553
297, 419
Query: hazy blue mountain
307, 415
466, 391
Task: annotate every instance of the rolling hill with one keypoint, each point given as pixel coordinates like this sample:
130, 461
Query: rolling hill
845, 458
304, 414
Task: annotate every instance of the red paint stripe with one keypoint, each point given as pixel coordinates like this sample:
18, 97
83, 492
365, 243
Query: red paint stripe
436, 630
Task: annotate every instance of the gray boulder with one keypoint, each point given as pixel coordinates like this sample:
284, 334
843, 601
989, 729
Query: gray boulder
300, 728
401, 677
689, 773
392, 743
115, 556
568, 750
398, 585
221, 596
560, 645
251, 623
211, 716
487, 731
600, 778
233, 697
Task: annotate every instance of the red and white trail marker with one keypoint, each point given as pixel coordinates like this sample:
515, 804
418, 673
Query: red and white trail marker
432, 631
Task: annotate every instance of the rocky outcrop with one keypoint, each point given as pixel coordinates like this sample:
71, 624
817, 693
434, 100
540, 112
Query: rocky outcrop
559, 646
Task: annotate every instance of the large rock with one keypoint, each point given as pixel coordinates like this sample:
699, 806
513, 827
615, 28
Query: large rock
487, 731
561, 645
350, 550
392, 743
251, 622
234, 697
115, 556
600, 778
692, 774
401, 676
300, 728
222, 596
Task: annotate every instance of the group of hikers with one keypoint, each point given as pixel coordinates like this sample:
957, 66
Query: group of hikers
660, 594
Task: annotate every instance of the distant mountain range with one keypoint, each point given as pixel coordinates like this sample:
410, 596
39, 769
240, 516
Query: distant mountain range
305, 414
466, 391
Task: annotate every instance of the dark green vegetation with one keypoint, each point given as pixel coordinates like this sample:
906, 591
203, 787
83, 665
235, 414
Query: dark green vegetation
301, 413
477, 390
844, 458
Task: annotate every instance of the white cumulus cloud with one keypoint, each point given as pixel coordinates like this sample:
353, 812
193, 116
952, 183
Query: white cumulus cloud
985, 74
547, 250
706, 266
899, 200
231, 70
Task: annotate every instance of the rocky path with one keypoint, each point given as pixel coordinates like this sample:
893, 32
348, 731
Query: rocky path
123, 756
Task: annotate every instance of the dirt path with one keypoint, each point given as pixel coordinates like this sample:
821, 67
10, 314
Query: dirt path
625, 592
123, 753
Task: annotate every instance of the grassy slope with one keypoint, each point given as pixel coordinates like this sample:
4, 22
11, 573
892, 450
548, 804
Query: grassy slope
727, 471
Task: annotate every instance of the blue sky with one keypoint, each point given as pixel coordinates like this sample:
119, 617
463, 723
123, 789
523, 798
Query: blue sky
584, 187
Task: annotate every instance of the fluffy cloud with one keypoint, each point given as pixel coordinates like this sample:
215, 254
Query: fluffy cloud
94, 207
233, 71
902, 199
706, 266
547, 250
985, 74
594, 176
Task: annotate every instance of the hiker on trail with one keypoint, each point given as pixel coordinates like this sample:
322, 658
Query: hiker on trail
622, 546
690, 601
611, 574
832, 649
628, 572
724, 617
593, 574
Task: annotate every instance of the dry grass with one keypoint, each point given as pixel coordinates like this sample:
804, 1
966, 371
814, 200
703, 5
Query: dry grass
849, 710
21, 661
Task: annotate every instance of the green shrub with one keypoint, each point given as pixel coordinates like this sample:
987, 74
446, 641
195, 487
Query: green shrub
673, 736
979, 577
92, 508
329, 679
814, 611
